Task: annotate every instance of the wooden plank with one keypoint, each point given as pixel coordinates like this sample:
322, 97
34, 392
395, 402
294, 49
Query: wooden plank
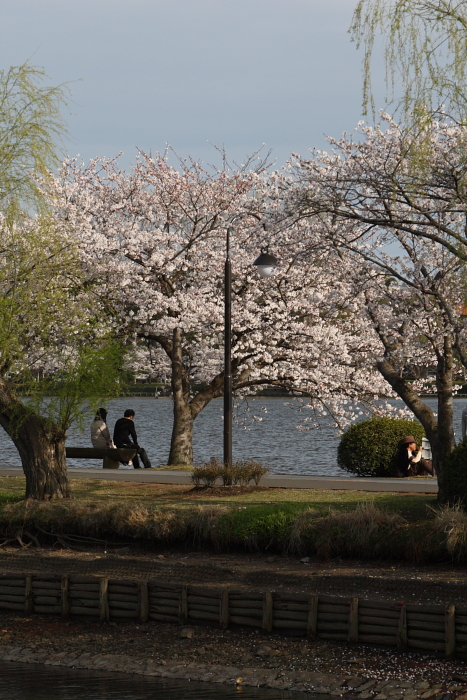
296, 607
13, 590
339, 627
156, 584
255, 614
84, 595
46, 585
425, 617
12, 599
381, 621
246, 604
423, 644
215, 610
130, 614
123, 590
267, 611
143, 601
183, 605
170, 609
333, 617
450, 630
290, 624
203, 600
122, 598
83, 587
402, 629
4, 605
47, 609
353, 621
160, 617
117, 605
124, 454
244, 621
86, 612
46, 600
377, 629
28, 596
290, 615
84, 603
378, 639
425, 634
224, 611
104, 600
312, 616
376, 612
65, 597
290, 597
333, 609
199, 615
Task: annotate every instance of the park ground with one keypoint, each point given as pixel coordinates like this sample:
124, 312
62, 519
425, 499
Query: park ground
253, 565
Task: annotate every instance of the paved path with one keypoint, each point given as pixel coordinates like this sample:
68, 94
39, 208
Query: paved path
290, 481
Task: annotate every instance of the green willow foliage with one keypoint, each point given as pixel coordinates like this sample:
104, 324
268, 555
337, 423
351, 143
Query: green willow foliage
31, 129
369, 448
425, 49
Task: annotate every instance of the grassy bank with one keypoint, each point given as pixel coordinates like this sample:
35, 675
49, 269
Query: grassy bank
300, 522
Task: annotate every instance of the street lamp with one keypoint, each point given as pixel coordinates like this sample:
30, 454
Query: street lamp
266, 265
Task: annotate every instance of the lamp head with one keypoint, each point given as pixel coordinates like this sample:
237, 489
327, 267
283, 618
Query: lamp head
266, 263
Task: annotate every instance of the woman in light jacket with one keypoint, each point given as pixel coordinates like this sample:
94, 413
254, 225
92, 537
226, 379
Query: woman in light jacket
100, 435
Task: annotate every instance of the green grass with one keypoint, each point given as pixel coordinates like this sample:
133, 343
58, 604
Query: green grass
299, 521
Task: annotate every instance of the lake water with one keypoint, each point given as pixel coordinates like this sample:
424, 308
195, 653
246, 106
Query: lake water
35, 682
267, 432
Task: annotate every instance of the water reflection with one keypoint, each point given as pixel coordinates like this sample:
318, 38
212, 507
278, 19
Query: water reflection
35, 682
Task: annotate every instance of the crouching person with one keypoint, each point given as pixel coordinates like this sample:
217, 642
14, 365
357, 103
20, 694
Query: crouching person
410, 462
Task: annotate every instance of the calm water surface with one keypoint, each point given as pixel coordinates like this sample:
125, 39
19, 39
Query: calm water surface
31, 682
267, 432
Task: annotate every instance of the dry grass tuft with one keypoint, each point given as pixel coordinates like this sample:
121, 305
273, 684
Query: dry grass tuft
450, 529
367, 531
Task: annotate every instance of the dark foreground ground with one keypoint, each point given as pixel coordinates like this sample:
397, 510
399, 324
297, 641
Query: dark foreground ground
163, 643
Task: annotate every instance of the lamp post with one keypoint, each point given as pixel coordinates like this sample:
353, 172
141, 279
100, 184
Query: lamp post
266, 265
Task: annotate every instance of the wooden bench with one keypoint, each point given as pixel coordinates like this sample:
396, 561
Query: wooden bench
111, 456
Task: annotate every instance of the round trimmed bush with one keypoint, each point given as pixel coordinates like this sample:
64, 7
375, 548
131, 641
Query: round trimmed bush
454, 487
370, 448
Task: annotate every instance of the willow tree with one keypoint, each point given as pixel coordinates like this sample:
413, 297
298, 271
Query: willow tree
425, 51
32, 129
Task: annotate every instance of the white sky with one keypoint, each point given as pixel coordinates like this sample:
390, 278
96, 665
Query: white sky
237, 73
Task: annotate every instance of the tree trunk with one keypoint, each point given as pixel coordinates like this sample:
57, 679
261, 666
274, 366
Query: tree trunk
443, 441
440, 432
41, 446
181, 444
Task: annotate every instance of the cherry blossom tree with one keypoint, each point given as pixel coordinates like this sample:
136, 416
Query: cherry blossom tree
156, 238
400, 233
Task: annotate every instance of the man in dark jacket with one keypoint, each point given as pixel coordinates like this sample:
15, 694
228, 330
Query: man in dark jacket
125, 436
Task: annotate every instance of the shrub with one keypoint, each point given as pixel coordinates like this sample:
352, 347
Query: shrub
240, 473
454, 487
370, 448
207, 474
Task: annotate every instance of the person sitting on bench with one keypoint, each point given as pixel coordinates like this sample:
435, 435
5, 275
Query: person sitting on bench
100, 435
125, 436
410, 462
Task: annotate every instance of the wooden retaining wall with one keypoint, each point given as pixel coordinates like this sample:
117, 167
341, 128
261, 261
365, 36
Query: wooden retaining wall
441, 628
